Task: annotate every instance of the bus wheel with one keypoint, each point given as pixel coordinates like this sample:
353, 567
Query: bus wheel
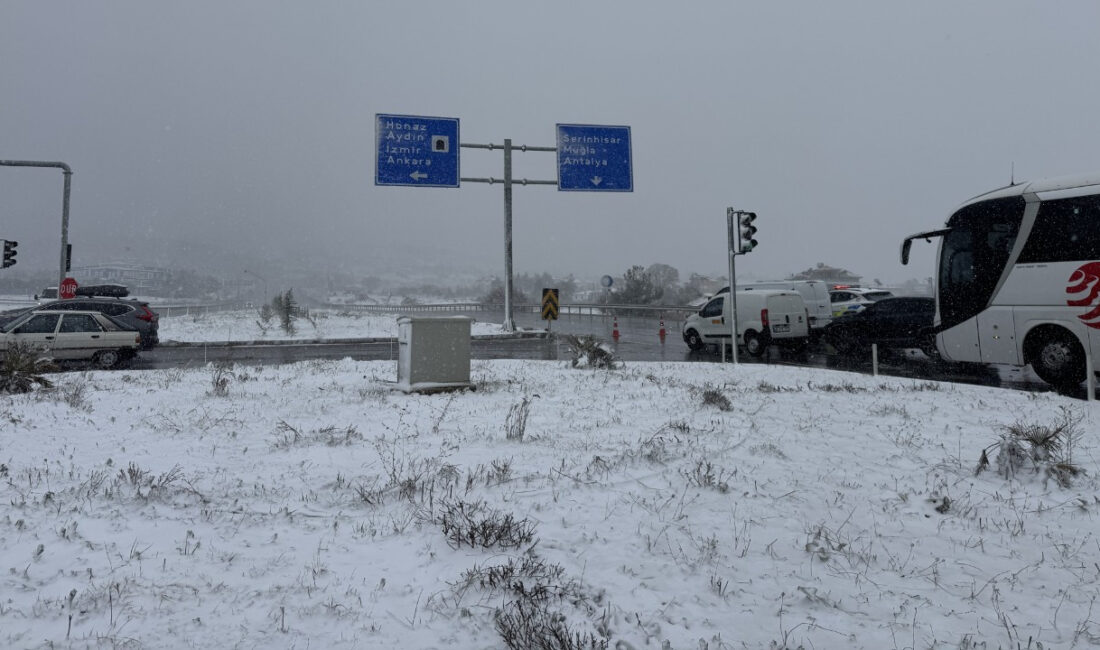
754, 344
1058, 359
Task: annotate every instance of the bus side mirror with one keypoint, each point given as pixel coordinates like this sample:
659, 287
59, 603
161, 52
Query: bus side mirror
926, 236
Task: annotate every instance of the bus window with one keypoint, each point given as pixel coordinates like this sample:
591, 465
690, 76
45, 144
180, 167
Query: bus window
974, 256
1065, 230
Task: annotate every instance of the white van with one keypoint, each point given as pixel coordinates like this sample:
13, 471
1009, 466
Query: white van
763, 318
815, 294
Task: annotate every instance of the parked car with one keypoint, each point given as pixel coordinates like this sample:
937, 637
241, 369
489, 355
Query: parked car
74, 335
850, 300
891, 323
764, 318
135, 313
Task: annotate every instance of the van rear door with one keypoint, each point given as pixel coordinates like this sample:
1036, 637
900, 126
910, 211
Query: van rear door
787, 316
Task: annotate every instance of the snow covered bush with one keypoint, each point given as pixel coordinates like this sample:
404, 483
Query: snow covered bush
21, 369
1042, 448
591, 352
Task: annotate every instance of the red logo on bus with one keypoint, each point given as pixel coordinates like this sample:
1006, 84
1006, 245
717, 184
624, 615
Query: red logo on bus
1083, 290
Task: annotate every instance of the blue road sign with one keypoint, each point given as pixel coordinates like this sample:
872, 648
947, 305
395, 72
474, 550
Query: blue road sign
417, 151
594, 158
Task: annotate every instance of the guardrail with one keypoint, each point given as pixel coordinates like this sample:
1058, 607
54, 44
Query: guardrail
566, 308
582, 309
165, 311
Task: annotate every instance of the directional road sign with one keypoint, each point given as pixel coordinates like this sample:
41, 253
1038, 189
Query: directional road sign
417, 151
594, 158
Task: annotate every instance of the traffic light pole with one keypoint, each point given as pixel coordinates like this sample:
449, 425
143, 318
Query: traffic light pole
733, 230
68, 172
509, 321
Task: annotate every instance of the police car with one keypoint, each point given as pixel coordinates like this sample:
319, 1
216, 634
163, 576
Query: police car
849, 300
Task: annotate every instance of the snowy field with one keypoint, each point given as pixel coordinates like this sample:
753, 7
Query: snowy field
246, 325
686, 506
321, 324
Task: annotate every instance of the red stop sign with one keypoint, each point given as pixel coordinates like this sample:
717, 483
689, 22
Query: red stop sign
68, 288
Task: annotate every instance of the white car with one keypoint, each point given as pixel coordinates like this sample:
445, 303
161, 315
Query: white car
849, 300
73, 335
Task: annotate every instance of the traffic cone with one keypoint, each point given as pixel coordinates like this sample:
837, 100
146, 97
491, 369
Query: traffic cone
615, 328
661, 332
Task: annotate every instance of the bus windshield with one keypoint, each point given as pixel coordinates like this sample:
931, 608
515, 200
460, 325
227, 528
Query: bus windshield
974, 255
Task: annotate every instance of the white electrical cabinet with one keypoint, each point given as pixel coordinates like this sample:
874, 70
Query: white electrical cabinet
433, 353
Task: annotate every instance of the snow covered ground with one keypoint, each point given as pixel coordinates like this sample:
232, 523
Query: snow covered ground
245, 325
321, 324
659, 505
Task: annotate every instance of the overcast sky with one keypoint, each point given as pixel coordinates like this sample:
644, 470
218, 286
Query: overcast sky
247, 128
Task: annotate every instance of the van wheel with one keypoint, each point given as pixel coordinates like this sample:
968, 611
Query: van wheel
693, 340
1058, 359
107, 359
754, 344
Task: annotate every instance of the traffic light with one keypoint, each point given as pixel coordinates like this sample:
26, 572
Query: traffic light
746, 231
9, 253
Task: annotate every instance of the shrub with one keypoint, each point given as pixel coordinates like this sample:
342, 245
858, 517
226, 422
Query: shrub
515, 425
1043, 448
591, 352
529, 578
21, 368
477, 525
266, 314
524, 625
705, 475
715, 397
221, 374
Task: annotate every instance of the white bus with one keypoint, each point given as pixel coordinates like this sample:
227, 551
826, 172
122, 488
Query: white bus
1018, 278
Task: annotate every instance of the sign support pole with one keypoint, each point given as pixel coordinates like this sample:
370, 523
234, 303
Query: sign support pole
509, 324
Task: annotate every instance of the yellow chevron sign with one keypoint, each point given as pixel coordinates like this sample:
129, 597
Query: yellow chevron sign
550, 304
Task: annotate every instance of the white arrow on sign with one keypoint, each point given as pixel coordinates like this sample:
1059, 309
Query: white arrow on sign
596, 180
418, 175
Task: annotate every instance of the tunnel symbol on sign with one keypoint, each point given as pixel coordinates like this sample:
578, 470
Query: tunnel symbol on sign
441, 143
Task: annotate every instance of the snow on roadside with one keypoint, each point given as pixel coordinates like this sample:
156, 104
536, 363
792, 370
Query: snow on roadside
309, 505
321, 324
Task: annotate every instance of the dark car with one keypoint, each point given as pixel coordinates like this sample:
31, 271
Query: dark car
891, 323
133, 313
